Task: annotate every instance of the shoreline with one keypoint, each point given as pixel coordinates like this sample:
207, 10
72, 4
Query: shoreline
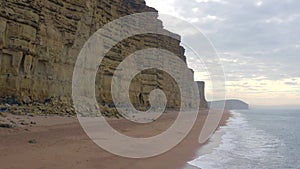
215, 141
60, 142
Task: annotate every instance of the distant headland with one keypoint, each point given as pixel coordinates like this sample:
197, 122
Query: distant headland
228, 104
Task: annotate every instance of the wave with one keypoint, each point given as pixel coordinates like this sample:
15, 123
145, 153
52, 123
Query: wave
242, 146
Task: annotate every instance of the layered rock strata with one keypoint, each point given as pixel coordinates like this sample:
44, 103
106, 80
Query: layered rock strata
41, 39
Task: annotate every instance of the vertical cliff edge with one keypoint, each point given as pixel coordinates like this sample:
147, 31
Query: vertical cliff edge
39, 44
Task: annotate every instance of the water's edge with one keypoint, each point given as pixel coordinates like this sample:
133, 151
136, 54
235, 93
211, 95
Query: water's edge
253, 139
213, 142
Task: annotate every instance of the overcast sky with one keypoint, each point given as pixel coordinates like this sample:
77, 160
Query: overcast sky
258, 42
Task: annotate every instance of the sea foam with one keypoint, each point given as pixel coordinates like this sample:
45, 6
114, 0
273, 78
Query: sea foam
242, 146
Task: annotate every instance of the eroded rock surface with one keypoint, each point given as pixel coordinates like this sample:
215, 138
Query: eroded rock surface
41, 39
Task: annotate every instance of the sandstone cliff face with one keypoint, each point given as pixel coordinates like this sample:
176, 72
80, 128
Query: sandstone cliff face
41, 39
201, 88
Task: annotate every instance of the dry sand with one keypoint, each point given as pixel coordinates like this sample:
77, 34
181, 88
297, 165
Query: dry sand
60, 143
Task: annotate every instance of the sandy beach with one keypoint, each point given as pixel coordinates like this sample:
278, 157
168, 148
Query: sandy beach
47, 142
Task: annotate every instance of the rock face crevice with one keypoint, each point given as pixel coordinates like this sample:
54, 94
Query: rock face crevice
41, 39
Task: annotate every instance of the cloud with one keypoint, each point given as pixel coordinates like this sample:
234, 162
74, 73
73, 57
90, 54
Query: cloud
292, 83
280, 20
166, 7
210, 1
257, 40
265, 91
213, 18
259, 3
193, 20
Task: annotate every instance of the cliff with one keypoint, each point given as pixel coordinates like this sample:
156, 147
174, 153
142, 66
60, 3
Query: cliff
201, 88
41, 39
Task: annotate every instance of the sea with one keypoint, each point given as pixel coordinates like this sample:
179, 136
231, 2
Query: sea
254, 139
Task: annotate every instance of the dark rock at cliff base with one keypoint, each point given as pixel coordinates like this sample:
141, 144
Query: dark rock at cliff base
33, 141
7, 125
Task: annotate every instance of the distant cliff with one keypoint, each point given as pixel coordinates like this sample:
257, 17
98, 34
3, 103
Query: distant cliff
41, 39
229, 104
